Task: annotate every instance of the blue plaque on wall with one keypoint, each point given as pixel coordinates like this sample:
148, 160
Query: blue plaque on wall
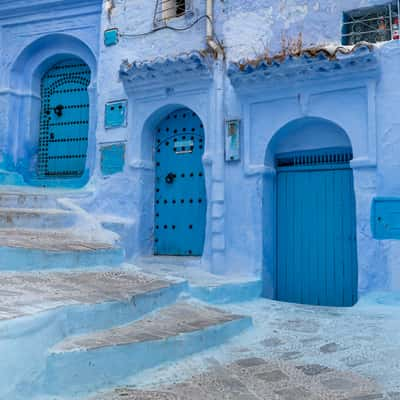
111, 37
112, 158
232, 140
385, 218
115, 114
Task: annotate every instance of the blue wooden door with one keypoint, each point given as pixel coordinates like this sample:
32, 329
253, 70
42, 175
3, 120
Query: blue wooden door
180, 193
316, 230
64, 120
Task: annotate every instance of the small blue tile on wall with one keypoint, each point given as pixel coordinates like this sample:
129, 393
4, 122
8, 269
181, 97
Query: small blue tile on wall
116, 114
112, 158
111, 37
385, 218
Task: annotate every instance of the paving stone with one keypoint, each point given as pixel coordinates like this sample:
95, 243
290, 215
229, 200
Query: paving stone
313, 369
272, 342
300, 325
250, 362
338, 384
373, 396
296, 393
329, 348
272, 376
291, 355
355, 361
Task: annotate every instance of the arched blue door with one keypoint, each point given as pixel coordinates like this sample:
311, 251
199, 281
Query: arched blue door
64, 120
180, 193
316, 229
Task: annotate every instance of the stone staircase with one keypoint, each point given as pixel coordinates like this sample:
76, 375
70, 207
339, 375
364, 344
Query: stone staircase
37, 231
88, 331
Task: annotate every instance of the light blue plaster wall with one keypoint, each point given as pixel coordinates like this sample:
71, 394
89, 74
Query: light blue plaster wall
364, 106
35, 35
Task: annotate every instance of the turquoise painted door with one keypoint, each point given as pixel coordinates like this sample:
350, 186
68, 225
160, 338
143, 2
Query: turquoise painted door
316, 230
180, 193
64, 120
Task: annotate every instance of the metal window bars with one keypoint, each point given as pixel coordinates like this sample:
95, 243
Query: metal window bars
168, 9
371, 24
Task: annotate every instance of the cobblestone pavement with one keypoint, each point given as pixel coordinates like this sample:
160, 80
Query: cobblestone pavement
256, 379
293, 352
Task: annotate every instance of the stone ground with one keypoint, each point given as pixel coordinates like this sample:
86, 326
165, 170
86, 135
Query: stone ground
24, 294
293, 352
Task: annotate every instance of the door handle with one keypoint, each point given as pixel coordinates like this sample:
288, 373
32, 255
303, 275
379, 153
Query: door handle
58, 110
170, 178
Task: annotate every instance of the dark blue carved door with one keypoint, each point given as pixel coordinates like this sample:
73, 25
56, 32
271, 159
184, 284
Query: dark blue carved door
64, 120
180, 198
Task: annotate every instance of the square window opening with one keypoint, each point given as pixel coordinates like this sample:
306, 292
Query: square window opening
169, 9
371, 24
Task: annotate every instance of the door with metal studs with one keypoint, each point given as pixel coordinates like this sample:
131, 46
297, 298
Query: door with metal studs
180, 192
64, 120
316, 229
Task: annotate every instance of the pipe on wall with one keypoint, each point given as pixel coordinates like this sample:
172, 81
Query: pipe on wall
216, 47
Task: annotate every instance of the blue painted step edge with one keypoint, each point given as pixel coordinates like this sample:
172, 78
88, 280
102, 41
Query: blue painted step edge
42, 331
23, 259
228, 293
81, 372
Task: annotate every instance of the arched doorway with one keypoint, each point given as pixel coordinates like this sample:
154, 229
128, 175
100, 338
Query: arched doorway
316, 248
64, 120
180, 191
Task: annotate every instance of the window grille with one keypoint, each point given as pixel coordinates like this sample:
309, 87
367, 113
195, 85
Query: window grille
371, 24
168, 9
315, 158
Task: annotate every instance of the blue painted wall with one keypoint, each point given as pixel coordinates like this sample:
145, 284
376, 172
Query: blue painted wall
353, 106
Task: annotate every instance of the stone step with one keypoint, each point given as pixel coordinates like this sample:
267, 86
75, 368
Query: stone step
36, 218
24, 199
35, 249
39, 309
11, 178
89, 362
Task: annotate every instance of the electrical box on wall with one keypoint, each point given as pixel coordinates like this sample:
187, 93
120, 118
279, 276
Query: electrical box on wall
385, 218
115, 114
232, 140
111, 37
112, 158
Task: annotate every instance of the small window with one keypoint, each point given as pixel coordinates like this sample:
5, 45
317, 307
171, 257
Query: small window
371, 24
168, 9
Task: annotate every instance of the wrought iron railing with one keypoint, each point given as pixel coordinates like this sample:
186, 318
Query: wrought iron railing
371, 24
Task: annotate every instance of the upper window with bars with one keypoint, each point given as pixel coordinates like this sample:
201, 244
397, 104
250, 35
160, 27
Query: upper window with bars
371, 24
169, 9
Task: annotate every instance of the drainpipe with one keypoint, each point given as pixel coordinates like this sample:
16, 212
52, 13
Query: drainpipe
216, 47
218, 168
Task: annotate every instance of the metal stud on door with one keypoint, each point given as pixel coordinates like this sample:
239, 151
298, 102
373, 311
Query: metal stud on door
64, 120
180, 193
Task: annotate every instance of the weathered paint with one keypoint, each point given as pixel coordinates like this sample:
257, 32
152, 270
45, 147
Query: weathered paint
361, 103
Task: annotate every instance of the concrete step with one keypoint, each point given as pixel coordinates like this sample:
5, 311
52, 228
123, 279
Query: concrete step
89, 362
11, 178
40, 309
25, 199
33, 249
36, 218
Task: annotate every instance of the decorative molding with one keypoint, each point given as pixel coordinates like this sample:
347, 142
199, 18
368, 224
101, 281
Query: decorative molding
166, 74
307, 66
